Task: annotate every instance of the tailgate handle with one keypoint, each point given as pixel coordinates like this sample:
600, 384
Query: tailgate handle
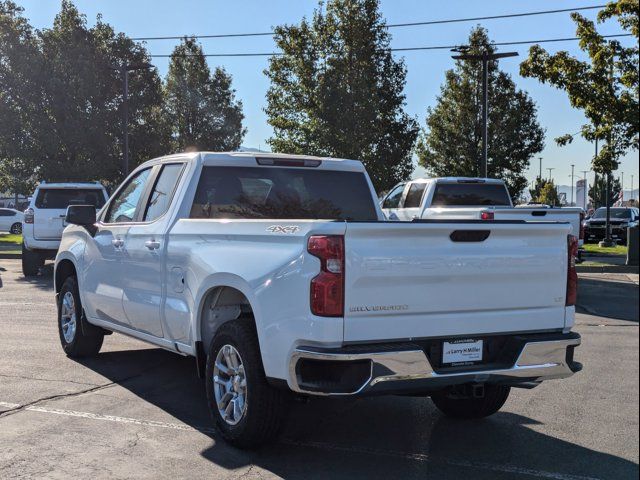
469, 235
538, 213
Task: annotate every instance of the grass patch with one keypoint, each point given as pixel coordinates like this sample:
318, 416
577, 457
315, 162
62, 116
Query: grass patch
8, 238
594, 249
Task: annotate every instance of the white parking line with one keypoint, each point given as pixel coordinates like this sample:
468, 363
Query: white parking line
109, 418
421, 457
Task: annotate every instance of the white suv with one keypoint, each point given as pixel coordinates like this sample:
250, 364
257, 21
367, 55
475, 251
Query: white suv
44, 219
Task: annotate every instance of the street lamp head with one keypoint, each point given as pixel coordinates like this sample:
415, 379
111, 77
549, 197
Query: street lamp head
132, 66
139, 66
461, 48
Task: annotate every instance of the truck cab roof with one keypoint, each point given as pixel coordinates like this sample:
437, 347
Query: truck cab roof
252, 159
459, 180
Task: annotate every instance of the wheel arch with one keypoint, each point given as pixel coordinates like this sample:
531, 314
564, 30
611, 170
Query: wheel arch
221, 304
64, 269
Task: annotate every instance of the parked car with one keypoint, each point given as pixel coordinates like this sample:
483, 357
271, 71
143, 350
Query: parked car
280, 275
44, 219
620, 218
460, 198
11, 220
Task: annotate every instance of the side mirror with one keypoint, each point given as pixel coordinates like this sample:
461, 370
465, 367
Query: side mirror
83, 215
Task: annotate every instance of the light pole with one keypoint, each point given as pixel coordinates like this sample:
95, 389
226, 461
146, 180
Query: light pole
540, 175
572, 183
484, 57
632, 194
124, 72
550, 170
622, 188
586, 187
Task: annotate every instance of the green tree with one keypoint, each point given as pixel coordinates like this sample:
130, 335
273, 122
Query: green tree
451, 143
597, 191
549, 194
60, 115
536, 191
204, 112
604, 87
80, 134
20, 64
336, 90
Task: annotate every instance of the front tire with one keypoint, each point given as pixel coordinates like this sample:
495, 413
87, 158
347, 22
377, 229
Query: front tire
16, 228
77, 336
31, 262
248, 412
456, 404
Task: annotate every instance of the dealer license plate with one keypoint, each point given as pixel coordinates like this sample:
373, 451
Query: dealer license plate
462, 352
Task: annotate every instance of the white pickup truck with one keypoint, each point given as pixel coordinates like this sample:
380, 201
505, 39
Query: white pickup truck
464, 198
279, 274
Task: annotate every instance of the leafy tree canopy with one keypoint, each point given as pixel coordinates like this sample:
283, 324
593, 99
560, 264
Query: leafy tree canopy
605, 87
337, 90
204, 112
598, 190
549, 194
451, 143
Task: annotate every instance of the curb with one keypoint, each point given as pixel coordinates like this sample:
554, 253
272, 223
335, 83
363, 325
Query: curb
10, 256
607, 269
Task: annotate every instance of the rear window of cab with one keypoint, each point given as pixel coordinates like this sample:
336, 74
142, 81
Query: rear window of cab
283, 193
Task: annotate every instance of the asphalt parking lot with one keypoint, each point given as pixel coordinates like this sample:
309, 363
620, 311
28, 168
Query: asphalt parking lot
138, 411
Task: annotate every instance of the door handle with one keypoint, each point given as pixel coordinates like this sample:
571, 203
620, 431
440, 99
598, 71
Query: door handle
152, 244
117, 242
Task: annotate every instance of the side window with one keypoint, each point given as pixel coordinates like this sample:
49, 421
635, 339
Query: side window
393, 199
6, 213
123, 206
163, 191
414, 195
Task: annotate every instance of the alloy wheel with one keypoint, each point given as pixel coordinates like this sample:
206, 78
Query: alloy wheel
230, 385
68, 317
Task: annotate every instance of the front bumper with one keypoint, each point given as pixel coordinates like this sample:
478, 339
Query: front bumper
596, 234
405, 368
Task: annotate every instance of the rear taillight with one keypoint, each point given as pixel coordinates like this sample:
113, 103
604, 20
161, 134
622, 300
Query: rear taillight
572, 274
581, 234
327, 288
28, 215
487, 215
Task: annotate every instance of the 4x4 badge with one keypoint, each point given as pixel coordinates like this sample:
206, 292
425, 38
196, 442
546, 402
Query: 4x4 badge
283, 228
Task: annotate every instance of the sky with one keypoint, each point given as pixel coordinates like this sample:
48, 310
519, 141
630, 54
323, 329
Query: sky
426, 69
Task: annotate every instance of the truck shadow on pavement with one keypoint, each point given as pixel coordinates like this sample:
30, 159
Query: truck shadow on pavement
378, 437
606, 298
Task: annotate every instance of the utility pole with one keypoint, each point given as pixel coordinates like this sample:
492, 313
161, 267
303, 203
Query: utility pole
124, 72
608, 241
572, 184
586, 188
485, 57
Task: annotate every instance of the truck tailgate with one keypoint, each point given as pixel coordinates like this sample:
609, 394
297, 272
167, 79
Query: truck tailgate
411, 280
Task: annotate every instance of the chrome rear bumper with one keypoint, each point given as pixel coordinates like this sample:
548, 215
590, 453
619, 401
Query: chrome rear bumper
407, 368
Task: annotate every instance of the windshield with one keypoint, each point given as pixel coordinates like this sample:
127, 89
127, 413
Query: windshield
470, 195
622, 213
61, 198
283, 193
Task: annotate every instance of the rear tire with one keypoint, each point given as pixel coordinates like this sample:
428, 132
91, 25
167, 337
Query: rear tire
78, 337
16, 228
31, 262
261, 408
469, 407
